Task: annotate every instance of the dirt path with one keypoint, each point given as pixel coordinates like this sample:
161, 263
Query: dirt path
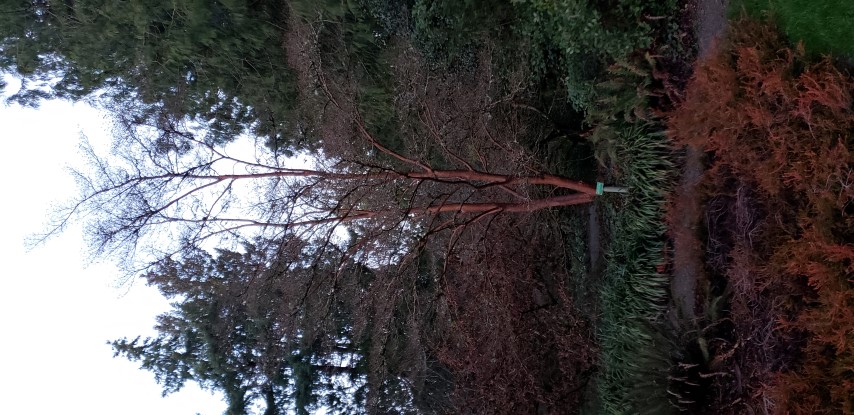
711, 23
686, 210
594, 243
687, 250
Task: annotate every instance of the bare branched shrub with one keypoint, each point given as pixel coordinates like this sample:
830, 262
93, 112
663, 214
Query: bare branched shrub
516, 343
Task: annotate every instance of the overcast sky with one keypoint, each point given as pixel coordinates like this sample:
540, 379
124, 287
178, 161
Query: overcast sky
57, 313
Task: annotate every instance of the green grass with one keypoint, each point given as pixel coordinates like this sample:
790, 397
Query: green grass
635, 358
824, 26
628, 301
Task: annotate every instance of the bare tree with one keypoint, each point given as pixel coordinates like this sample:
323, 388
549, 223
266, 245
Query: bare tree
187, 189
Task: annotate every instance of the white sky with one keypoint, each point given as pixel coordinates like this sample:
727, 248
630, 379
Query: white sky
56, 314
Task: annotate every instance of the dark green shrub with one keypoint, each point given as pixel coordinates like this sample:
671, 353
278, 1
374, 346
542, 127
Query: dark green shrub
449, 32
589, 37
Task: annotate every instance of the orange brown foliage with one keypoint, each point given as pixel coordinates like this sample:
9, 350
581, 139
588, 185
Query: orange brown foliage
779, 129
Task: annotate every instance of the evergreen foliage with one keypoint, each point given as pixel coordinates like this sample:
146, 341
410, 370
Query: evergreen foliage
234, 328
209, 62
588, 37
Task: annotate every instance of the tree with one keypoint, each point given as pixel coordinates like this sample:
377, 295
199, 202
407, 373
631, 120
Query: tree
447, 167
191, 183
239, 325
214, 62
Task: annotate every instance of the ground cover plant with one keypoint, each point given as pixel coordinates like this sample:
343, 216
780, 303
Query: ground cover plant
635, 358
777, 124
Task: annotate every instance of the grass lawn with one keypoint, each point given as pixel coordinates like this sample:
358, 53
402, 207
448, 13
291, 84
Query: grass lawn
825, 26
